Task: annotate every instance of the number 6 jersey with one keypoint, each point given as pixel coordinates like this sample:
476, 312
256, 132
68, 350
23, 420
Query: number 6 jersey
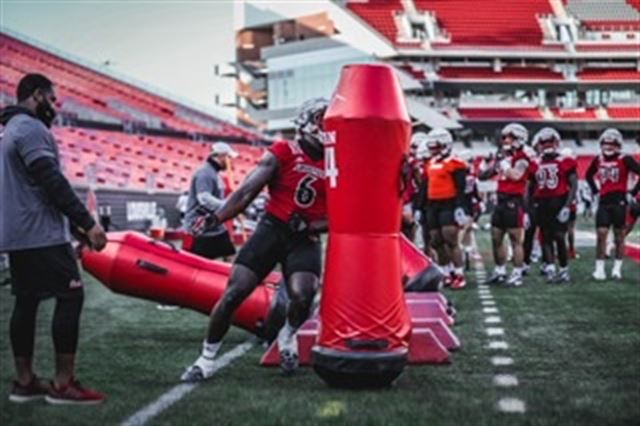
299, 184
551, 175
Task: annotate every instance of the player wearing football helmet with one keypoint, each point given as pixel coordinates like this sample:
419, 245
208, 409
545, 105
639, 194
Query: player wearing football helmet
293, 171
444, 180
555, 184
608, 175
511, 166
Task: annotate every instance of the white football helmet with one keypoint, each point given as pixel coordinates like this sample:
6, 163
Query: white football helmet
439, 142
610, 142
514, 136
417, 139
547, 141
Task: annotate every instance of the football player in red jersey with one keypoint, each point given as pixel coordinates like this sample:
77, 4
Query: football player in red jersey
612, 169
293, 171
556, 182
509, 216
444, 182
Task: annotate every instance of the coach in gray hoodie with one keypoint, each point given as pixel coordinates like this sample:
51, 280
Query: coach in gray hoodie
37, 212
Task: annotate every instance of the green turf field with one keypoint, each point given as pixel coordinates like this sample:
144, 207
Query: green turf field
576, 352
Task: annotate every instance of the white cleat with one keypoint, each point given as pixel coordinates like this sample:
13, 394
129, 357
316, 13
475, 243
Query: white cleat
288, 347
201, 370
616, 275
599, 275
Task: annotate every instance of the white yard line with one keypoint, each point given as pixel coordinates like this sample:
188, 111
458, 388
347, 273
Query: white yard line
505, 404
176, 393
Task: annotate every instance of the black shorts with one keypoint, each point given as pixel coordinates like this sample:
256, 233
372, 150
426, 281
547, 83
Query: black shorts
611, 215
508, 214
272, 243
547, 210
213, 247
439, 213
45, 272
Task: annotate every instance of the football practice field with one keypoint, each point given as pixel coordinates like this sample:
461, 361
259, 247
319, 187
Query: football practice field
544, 355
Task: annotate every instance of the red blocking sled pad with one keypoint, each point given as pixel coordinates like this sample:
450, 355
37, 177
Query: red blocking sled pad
432, 339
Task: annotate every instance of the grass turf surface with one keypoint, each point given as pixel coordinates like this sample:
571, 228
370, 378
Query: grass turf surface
575, 349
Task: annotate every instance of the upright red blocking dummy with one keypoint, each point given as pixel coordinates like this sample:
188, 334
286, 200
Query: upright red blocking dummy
365, 326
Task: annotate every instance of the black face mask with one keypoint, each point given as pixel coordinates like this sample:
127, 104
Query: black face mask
312, 148
45, 112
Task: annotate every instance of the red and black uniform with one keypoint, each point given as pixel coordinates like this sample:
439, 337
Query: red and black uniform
551, 175
509, 212
297, 193
612, 174
445, 181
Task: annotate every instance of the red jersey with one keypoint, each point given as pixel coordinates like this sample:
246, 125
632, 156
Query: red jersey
612, 173
515, 187
299, 185
552, 176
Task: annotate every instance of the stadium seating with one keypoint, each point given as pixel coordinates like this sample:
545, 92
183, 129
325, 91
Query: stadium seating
380, 15
495, 23
87, 93
624, 113
507, 73
119, 160
607, 74
526, 113
574, 114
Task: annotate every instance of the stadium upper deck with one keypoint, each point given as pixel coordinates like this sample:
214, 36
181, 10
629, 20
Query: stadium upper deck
573, 64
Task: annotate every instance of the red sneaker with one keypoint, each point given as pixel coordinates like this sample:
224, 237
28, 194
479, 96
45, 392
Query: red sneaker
447, 280
73, 393
458, 282
33, 391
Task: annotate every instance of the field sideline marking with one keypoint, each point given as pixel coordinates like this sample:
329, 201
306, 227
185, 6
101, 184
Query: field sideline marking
508, 404
178, 392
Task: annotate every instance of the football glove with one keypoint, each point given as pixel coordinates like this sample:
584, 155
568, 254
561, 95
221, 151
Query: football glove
460, 216
563, 215
206, 219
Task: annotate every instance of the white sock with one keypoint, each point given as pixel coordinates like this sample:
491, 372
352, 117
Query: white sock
550, 268
209, 350
500, 269
286, 336
517, 271
617, 266
600, 265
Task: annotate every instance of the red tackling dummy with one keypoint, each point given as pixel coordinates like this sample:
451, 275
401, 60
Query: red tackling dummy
365, 326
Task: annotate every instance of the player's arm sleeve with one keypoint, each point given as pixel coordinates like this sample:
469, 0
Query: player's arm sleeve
591, 173
239, 199
573, 186
460, 181
631, 164
46, 173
